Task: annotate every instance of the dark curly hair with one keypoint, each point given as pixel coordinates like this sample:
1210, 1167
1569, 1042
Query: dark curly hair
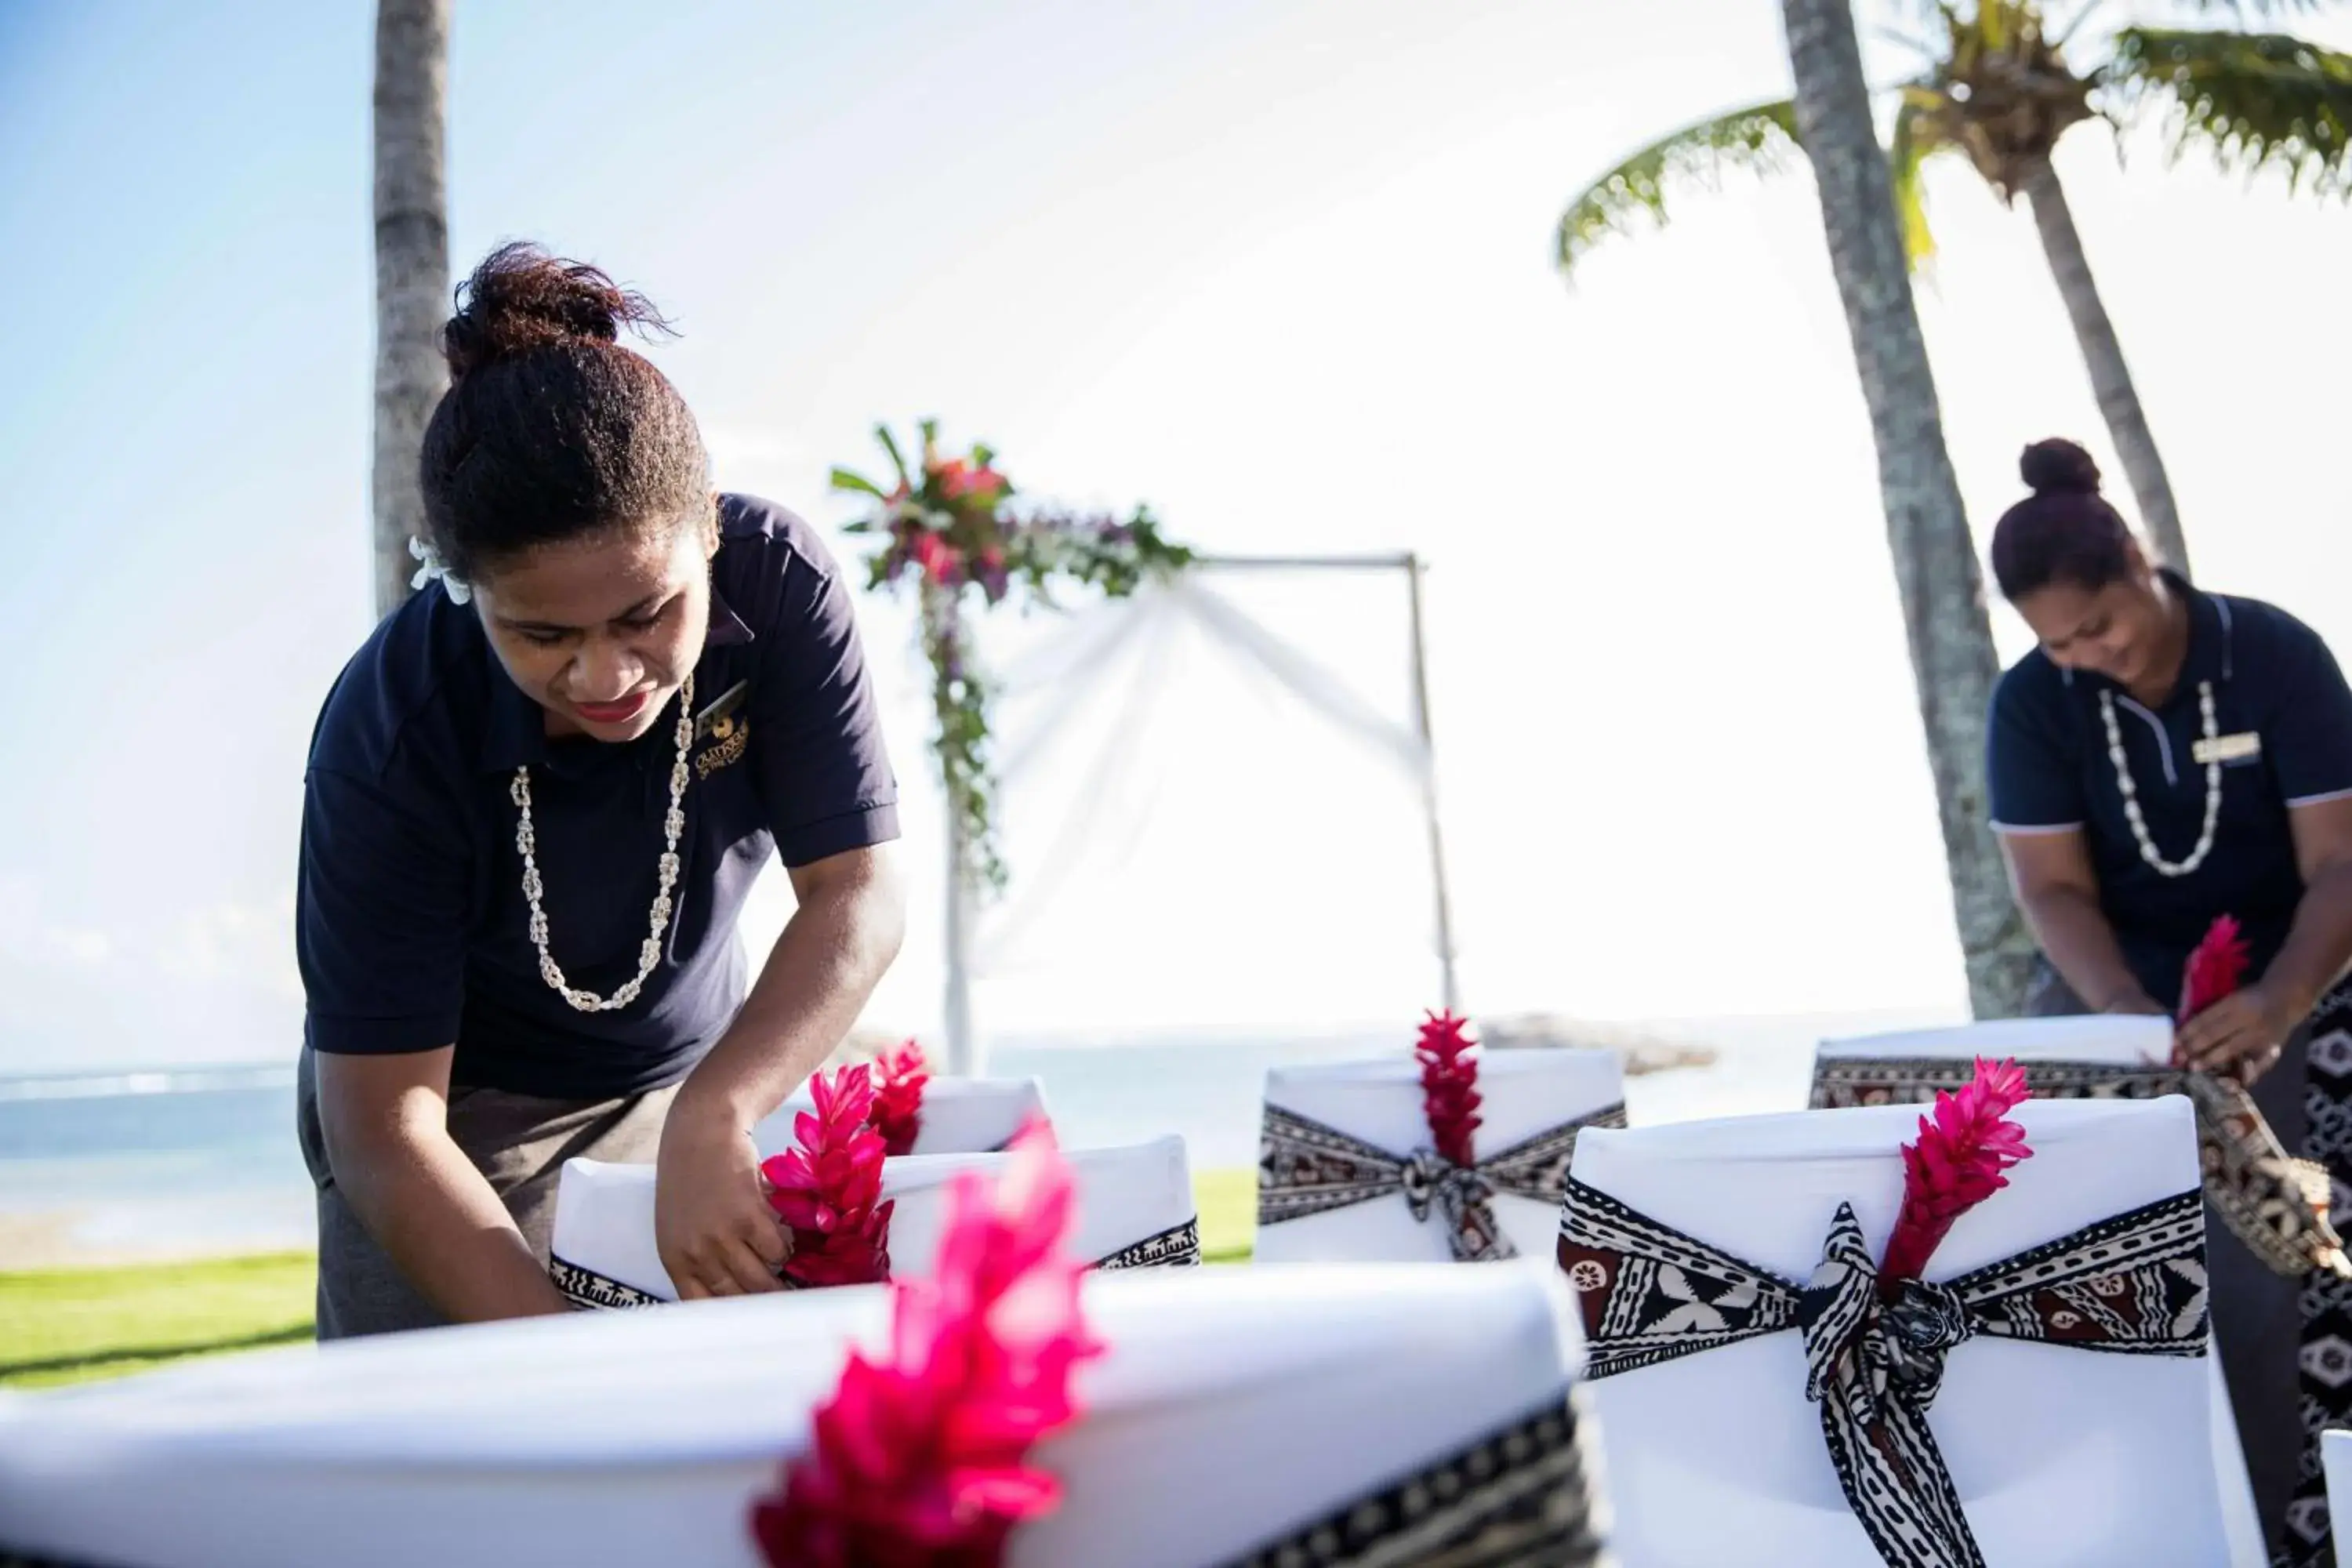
552, 429
2064, 532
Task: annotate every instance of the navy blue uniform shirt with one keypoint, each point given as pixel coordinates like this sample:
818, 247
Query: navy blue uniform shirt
2271, 678
410, 920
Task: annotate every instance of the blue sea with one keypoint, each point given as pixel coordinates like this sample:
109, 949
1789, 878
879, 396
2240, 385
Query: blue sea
194, 1161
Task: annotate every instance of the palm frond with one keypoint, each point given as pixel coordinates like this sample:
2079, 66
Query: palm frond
1914, 142
2254, 99
1761, 138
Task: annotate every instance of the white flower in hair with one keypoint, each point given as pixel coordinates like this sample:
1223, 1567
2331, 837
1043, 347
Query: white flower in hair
433, 567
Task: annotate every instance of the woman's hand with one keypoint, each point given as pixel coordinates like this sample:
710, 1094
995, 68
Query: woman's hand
2239, 1037
713, 1225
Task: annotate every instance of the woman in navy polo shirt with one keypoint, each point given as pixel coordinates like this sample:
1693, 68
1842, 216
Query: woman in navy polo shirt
2164, 757
536, 800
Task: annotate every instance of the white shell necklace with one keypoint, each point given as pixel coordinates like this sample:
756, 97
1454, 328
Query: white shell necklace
673, 825
2148, 849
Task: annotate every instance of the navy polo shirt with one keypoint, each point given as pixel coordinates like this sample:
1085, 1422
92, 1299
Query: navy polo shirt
410, 920
2273, 676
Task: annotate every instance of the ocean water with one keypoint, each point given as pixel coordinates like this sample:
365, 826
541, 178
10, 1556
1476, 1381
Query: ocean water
194, 1161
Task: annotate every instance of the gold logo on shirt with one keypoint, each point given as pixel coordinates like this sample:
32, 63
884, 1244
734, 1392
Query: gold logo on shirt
732, 736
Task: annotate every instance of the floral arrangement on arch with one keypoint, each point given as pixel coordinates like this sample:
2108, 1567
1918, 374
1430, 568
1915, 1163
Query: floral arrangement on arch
951, 527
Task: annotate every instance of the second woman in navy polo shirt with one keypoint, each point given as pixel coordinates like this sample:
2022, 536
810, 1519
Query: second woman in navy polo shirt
2164, 757
536, 800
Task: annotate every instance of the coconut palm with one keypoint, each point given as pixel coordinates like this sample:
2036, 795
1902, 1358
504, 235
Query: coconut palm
2001, 84
412, 269
1952, 661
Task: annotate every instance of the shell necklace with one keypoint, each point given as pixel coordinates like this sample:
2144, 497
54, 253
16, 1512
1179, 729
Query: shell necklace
2148, 849
673, 825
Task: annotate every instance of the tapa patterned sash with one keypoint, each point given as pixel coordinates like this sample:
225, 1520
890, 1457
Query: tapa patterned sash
1304, 1167
2133, 1284
2270, 1200
1179, 1247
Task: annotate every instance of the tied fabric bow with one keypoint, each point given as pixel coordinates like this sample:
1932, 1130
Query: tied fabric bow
2133, 1284
1307, 1167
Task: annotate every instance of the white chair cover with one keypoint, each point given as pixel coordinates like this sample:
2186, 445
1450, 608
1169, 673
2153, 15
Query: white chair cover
960, 1116
2059, 1456
1135, 1200
1527, 1093
2335, 1454
2107, 1039
1235, 1407
2116, 1040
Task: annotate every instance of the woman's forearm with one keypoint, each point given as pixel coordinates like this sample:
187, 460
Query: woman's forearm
2074, 935
434, 1214
2318, 944
824, 965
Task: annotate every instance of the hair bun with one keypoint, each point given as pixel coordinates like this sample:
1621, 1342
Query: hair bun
2060, 468
522, 299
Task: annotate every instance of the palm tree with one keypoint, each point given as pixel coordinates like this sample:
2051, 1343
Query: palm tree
1999, 89
412, 269
1952, 660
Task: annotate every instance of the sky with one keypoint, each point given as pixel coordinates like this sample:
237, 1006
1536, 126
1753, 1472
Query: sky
1279, 267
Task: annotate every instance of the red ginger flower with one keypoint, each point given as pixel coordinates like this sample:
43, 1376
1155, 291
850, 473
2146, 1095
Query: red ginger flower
829, 1190
920, 1458
1953, 1165
898, 1099
935, 556
2214, 969
1449, 1085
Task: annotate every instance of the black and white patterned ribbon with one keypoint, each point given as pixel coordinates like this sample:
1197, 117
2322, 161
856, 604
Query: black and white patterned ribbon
2133, 1284
1308, 1167
1178, 1247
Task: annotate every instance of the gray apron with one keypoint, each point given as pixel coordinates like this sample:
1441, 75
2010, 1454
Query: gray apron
519, 1142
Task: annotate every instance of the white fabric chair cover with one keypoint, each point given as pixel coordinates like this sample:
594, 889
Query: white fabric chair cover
2335, 1456
1139, 1195
960, 1116
2107, 1040
2061, 1456
1235, 1405
1527, 1092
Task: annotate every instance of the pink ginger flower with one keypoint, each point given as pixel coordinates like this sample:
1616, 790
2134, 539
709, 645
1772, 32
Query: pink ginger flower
920, 1459
898, 1099
1953, 1165
2214, 969
829, 1190
1449, 1085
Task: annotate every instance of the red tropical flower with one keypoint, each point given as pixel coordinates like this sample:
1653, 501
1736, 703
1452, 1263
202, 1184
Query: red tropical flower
1449, 1085
829, 1190
898, 1099
935, 556
1953, 1165
920, 1459
2214, 969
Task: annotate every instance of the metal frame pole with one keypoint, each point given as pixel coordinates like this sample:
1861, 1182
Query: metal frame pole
1450, 988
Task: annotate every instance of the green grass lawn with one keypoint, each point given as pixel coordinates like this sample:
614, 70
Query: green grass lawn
66, 1325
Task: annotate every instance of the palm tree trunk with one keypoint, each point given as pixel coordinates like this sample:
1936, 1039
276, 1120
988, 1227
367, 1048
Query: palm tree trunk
412, 269
2111, 381
1952, 661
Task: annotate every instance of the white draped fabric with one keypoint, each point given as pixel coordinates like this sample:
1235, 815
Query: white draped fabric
1233, 1404
2061, 1456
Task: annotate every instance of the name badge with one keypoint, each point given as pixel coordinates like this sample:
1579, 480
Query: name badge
708, 721
2227, 749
